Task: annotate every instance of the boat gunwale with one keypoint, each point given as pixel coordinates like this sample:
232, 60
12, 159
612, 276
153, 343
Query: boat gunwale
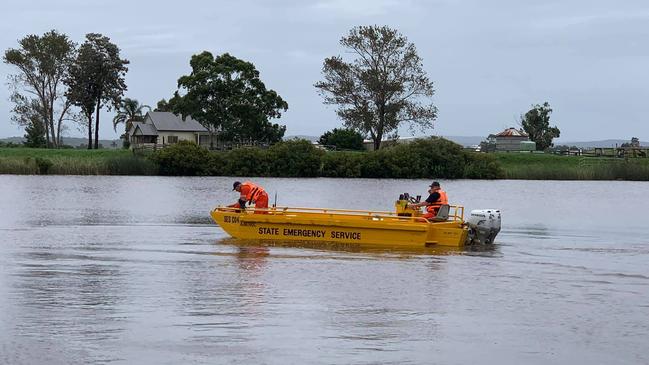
283, 211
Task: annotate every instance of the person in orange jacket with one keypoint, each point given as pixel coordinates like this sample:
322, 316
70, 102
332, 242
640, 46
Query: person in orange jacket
435, 200
251, 194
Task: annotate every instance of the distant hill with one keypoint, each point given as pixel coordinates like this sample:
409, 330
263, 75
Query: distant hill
591, 144
71, 141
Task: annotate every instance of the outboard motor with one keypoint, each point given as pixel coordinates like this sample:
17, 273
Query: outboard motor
484, 225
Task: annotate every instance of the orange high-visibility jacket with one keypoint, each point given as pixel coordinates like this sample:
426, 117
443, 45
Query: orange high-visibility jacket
251, 191
443, 200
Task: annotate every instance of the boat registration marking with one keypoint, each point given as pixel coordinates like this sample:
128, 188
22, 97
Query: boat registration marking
230, 219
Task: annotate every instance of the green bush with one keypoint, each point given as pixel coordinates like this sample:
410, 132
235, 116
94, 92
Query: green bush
482, 166
296, 158
184, 158
342, 164
43, 165
342, 139
241, 162
422, 158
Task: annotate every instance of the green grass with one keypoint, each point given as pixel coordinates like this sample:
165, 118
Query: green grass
73, 162
533, 166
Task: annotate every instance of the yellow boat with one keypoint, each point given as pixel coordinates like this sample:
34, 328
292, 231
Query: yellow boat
403, 229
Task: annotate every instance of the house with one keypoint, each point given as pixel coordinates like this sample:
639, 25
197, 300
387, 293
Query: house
160, 129
511, 140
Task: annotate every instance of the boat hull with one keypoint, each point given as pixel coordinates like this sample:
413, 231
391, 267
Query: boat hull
362, 229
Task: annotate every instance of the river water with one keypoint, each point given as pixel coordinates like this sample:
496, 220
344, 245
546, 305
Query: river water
124, 270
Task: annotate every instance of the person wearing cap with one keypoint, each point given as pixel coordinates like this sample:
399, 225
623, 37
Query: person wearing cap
435, 200
251, 194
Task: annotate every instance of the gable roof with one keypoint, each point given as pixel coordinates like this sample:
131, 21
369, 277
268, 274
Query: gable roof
145, 129
167, 121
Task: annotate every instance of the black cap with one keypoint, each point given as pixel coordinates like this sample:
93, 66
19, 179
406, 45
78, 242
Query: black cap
435, 183
236, 183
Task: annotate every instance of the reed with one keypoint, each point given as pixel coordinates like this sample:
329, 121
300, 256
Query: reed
31, 161
528, 166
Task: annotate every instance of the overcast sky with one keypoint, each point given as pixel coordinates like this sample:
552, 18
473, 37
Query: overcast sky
490, 60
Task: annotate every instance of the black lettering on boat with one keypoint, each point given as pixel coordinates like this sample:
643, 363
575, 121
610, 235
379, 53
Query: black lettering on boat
296, 232
268, 231
345, 235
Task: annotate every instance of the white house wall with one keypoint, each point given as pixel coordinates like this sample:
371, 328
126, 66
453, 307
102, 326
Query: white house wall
182, 136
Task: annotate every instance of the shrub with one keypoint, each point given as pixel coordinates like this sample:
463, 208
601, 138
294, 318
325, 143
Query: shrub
342, 139
241, 162
184, 158
342, 164
43, 165
296, 158
482, 166
423, 158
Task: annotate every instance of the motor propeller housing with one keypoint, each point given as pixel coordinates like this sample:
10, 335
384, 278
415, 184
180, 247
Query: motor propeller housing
484, 225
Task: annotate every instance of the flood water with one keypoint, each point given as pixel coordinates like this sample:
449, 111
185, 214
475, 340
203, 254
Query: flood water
125, 270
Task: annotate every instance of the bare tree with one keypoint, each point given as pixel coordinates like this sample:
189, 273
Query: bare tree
384, 86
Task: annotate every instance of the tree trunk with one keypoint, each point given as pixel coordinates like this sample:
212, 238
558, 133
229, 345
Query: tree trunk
47, 133
89, 115
377, 143
97, 122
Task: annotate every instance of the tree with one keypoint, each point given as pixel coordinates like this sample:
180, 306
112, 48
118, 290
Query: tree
342, 139
98, 78
383, 87
226, 95
129, 110
35, 135
162, 106
536, 123
43, 63
82, 84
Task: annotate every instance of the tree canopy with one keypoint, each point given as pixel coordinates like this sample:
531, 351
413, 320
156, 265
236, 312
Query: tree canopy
97, 79
384, 86
43, 63
536, 123
342, 139
226, 95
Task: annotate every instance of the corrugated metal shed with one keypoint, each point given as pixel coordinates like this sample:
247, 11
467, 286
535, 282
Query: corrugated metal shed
511, 132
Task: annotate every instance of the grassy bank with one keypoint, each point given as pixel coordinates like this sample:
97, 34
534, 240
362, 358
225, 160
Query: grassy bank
532, 166
431, 159
73, 162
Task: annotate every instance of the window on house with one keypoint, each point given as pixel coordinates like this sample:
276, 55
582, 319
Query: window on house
172, 139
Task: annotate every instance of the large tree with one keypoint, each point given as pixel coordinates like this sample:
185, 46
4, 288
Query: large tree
226, 95
82, 85
384, 86
536, 123
43, 63
129, 111
98, 79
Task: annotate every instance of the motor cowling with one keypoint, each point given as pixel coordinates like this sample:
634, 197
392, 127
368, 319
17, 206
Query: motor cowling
484, 225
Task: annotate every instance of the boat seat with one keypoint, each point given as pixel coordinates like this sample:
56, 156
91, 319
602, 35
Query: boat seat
442, 213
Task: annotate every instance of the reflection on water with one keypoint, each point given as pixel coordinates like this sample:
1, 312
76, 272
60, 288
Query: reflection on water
131, 270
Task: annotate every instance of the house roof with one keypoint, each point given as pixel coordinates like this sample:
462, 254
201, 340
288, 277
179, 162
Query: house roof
511, 132
146, 129
167, 121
